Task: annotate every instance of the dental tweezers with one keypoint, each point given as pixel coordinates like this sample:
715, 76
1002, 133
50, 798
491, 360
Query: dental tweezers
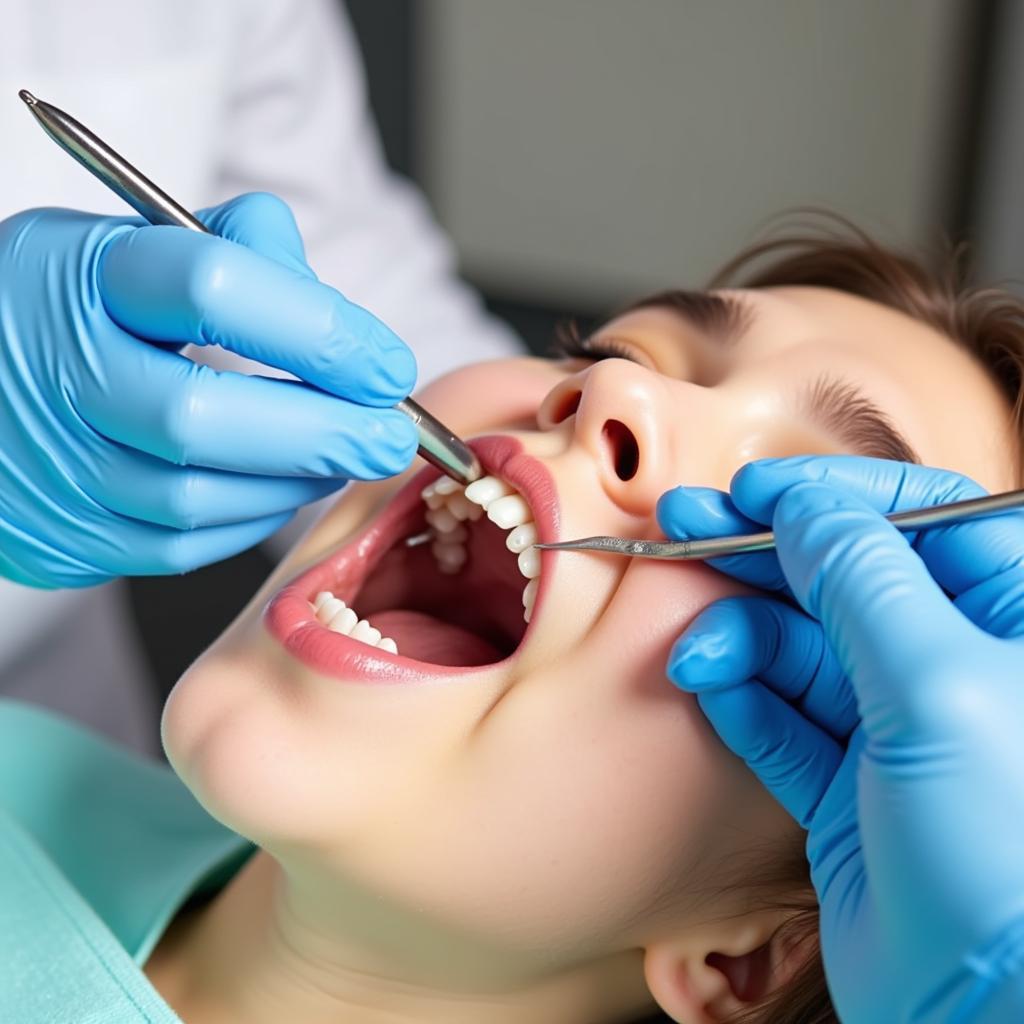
716, 547
436, 443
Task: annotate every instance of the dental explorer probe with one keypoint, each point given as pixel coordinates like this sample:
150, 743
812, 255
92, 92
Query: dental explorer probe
741, 544
436, 443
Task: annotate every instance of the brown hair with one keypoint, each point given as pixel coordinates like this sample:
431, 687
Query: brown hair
988, 323
935, 289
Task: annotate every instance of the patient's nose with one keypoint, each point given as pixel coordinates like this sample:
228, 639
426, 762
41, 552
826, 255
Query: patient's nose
616, 406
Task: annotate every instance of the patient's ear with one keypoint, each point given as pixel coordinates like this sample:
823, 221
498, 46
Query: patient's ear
703, 978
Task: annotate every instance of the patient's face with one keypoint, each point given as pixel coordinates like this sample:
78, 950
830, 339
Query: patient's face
545, 798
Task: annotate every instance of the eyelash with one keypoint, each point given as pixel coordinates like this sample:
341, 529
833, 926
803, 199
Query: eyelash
569, 345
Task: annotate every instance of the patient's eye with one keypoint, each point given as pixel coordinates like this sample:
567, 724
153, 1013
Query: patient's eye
569, 345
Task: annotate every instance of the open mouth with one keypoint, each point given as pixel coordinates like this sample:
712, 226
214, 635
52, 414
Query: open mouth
460, 596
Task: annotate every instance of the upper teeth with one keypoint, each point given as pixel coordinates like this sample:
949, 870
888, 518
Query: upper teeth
337, 616
449, 504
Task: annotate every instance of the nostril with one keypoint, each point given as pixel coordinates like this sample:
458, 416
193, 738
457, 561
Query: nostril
624, 450
566, 407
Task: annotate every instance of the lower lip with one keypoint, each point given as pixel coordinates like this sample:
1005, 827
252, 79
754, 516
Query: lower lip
290, 619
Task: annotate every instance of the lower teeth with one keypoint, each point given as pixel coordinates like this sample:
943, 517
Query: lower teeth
339, 618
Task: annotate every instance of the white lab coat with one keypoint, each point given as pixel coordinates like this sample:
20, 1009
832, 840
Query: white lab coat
212, 99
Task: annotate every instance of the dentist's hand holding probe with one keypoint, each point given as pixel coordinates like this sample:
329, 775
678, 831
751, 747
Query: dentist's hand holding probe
118, 455
887, 716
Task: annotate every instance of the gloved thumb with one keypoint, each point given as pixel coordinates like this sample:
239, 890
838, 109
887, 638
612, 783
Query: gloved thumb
893, 630
262, 222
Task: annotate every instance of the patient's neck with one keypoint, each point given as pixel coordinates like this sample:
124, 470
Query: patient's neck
253, 954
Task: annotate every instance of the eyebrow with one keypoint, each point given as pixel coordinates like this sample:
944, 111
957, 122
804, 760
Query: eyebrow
838, 406
842, 409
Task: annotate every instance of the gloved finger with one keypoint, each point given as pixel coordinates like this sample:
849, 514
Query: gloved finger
960, 556
834, 842
756, 638
112, 546
28, 559
140, 486
138, 549
171, 285
893, 630
164, 404
881, 483
997, 603
180, 551
696, 513
793, 758
264, 223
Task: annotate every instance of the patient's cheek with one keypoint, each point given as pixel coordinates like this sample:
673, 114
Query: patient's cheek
780, 440
503, 393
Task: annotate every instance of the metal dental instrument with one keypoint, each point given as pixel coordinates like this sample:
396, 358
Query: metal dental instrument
716, 547
437, 444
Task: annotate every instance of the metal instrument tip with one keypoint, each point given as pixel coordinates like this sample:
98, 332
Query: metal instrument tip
607, 545
586, 544
472, 473
27, 97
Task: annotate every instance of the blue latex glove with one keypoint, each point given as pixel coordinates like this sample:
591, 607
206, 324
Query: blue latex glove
118, 456
889, 721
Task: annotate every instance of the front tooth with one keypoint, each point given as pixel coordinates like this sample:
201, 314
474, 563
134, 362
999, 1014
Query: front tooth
530, 598
343, 621
329, 609
529, 563
487, 489
365, 633
521, 538
509, 511
324, 595
389, 645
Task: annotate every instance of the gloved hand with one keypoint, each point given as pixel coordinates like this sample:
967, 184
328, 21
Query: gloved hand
118, 456
889, 721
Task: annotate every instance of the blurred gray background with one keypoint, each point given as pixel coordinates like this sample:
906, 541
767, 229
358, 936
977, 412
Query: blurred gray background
590, 150
580, 152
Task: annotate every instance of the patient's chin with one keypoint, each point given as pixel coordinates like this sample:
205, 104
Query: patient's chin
240, 753
269, 755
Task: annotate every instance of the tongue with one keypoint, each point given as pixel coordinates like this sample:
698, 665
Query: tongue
425, 638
